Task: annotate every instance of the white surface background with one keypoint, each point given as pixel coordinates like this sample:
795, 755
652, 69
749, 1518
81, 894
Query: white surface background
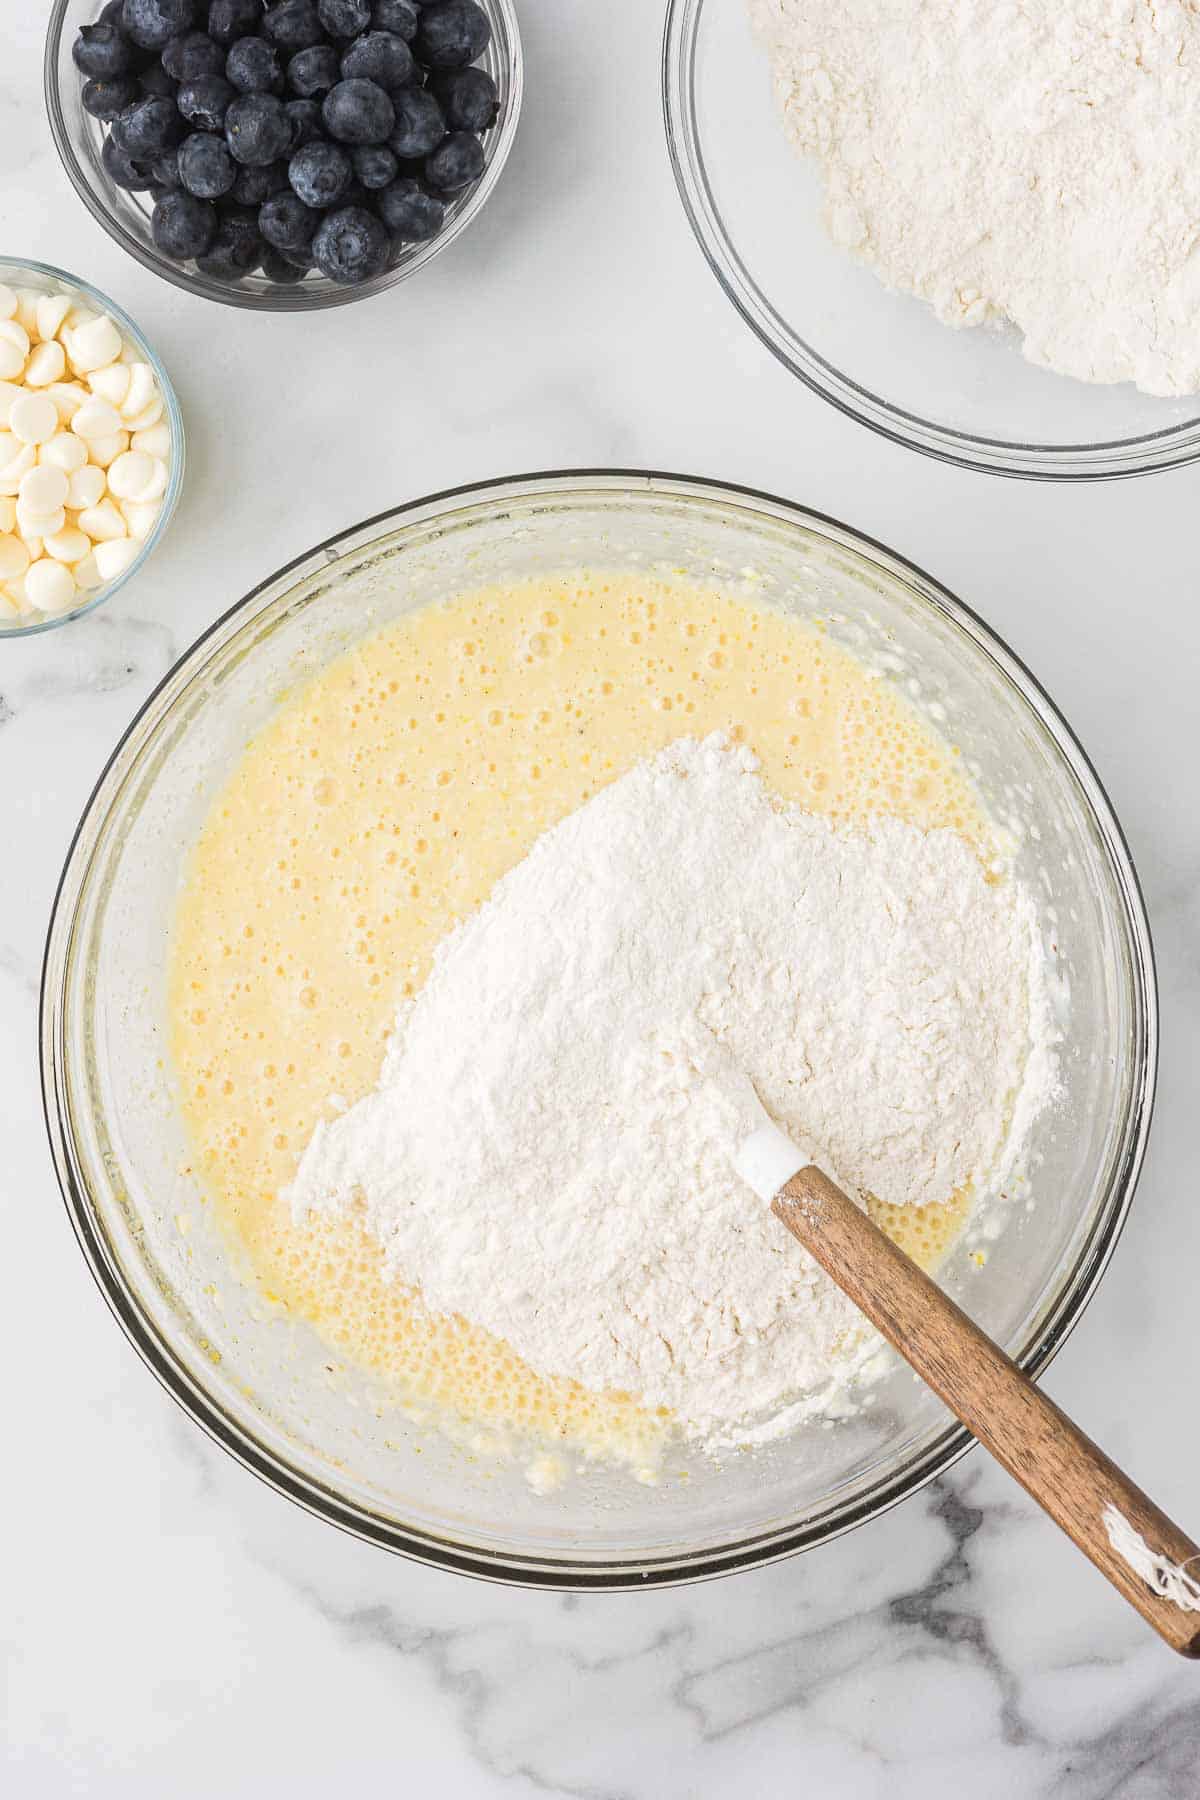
173, 1628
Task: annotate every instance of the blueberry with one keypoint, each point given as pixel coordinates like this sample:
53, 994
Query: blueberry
236, 247
152, 23
313, 71
287, 223
320, 173
344, 18
374, 165
154, 80
192, 54
147, 126
399, 16
252, 186
206, 168
105, 97
452, 33
121, 168
307, 124
419, 126
204, 102
294, 25
457, 161
381, 57
350, 245
164, 171
229, 20
253, 66
358, 112
183, 226
257, 129
226, 261
102, 51
409, 212
278, 267
468, 97
112, 13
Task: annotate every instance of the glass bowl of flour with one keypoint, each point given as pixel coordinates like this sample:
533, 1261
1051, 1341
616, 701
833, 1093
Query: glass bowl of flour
257, 1375
806, 143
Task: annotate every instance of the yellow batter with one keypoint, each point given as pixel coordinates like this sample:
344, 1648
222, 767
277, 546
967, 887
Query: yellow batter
380, 807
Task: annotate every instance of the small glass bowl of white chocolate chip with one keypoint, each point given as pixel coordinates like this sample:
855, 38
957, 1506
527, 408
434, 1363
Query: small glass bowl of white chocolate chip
91, 448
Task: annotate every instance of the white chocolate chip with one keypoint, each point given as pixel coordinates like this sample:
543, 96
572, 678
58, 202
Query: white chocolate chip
85, 487
10, 393
68, 396
130, 475
52, 309
110, 382
8, 301
10, 612
12, 357
8, 514
96, 418
140, 516
102, 450
65, 451
27, 299
102, 522
13, 332
115, 556
142, 390
14, 557
157, 485
42, 491
156, 441
70, 545
33, 543
14, 466
93, 345
87, 575
50, 585
149, 415
33, 419
37, 525
46, 364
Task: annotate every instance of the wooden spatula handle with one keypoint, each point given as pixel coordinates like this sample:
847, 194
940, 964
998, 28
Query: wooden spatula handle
1052, 1459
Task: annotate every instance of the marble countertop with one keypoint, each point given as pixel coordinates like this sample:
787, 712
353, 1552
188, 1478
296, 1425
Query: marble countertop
174, 1629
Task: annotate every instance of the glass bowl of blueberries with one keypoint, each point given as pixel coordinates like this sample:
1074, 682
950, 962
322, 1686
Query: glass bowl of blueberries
284, 154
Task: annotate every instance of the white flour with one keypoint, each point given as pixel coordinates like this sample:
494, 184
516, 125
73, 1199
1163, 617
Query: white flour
1167, 1578
549, 1148
1032, 161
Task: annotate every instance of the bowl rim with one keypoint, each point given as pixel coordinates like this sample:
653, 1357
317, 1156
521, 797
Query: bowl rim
298, 298
1101, 460
178, 446
557, 1571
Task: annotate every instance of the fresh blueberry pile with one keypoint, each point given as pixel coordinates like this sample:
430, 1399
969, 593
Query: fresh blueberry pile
288, 135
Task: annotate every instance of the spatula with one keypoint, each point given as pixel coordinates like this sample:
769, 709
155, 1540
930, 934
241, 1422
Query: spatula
1145, 1556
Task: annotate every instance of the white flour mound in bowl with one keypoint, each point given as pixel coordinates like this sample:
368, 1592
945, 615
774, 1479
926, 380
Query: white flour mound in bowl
549, 1148
1034, 163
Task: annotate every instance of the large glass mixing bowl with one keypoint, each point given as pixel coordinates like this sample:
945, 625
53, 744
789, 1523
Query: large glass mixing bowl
260, 1382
